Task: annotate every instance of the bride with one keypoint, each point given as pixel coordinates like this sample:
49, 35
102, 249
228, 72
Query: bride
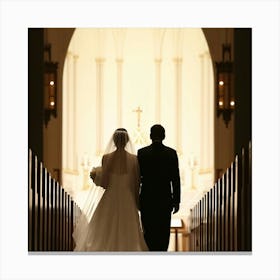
115, 223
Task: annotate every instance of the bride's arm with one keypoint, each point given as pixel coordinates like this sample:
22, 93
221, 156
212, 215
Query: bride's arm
92, 173
95, 175
137, 183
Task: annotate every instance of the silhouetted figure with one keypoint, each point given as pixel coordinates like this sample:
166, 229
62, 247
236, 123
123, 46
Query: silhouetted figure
160, 189
115, 224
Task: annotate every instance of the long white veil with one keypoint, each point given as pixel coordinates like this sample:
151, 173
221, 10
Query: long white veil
120, 138
115, 152
115, 158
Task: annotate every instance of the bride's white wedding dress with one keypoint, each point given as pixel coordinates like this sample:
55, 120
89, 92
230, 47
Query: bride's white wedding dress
115, 224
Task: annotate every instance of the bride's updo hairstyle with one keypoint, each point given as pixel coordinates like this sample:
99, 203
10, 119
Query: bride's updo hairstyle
120, 138
116, 162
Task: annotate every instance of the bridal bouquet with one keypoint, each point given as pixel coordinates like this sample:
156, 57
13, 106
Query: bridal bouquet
95, 175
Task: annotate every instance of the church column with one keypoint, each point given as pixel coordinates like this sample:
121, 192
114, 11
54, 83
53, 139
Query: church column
158, 90
70, 105
210, 113
203, 107
119, 92
178, 53
158, 42
206, 114
68, 110
119, 38
74, 113
178, 104
99, 104
65, 114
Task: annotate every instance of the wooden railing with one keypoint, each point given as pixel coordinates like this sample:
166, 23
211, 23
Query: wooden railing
52, 213
222, 219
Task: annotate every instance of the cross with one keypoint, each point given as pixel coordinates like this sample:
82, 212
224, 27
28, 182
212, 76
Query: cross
138, 111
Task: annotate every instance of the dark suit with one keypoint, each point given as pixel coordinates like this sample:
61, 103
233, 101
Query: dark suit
160, 190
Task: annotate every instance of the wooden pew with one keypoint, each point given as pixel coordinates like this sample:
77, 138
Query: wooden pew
52, 213
222, 219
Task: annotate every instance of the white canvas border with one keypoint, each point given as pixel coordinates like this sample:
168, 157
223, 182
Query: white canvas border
17, 16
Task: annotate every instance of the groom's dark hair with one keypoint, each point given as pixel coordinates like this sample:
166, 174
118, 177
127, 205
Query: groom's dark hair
157, 132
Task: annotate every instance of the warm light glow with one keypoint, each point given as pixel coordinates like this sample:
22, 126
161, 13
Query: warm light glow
221, 103
52, 83
221, 83
52, 103
232, 103
138, 49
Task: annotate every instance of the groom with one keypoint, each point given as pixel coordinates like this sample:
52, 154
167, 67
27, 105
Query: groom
160, 189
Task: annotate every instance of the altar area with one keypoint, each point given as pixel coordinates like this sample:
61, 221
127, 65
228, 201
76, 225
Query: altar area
135, 78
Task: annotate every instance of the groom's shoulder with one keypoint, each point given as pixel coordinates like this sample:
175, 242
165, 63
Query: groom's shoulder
170, 150
144, 149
